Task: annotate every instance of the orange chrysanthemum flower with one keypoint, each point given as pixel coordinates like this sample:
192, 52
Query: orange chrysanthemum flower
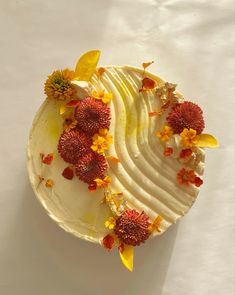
58, 85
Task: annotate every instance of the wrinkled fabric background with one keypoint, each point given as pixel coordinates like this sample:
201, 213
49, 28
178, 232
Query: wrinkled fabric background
192, 44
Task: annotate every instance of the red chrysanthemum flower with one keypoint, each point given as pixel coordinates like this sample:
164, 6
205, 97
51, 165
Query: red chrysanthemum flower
73, 144
92, 115
91, 166
186, 115
132, 227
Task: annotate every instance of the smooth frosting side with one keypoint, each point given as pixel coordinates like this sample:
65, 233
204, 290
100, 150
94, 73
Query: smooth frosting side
146, 178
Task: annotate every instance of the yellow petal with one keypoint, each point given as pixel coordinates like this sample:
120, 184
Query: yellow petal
127, 256
156, 224
62, 109
86, 65
207, 140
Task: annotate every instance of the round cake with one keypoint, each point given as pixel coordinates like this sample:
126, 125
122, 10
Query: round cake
116, 154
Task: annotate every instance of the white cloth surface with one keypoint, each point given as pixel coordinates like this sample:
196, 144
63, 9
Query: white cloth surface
192, 44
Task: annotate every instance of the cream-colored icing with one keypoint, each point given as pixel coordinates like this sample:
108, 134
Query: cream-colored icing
146, 178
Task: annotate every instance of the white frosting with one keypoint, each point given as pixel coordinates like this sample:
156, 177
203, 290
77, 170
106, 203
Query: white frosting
82, 87
146, 178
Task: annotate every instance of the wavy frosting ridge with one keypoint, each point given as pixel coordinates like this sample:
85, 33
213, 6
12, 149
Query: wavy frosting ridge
146, 178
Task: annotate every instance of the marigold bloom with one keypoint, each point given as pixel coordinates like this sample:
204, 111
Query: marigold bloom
189, 137
102, 183
101, 95
186, 177
58, 85
165, 134
101, 141
110, 223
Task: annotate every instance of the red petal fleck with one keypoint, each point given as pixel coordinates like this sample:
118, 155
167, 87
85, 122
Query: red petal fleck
168, 151
121, 248
108, 242
185, 153
147, 84
152, 114
92, 187
48, 159
68, 173
198, 181
73, 103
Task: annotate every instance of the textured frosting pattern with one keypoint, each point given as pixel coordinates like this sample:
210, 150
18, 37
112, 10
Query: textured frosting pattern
146, 178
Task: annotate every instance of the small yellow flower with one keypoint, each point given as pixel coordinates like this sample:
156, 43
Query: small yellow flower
189, 137
58, 85
110, 223
165, 134
102, 183
49, 183
101, 95
101, 141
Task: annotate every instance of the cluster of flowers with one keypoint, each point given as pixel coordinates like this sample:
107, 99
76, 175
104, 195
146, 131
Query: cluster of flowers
85, 138
186, 120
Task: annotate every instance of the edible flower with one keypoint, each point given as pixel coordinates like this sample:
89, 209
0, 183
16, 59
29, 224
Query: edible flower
101, 95
101, 141
189, 137
185, 153
156, 224
147, 84
58, 85
110, 223
165, 134
49, 183
168, 151
186, 177
102, 183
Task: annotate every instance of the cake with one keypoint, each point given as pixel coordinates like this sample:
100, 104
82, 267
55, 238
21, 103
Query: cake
116, 153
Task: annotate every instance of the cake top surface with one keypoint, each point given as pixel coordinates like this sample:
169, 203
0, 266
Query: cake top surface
116, 154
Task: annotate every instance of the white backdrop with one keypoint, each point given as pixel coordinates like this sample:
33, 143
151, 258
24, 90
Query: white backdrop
192, 44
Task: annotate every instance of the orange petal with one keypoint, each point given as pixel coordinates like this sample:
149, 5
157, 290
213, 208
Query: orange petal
48, 159
156, 224
147, 84
147, 64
